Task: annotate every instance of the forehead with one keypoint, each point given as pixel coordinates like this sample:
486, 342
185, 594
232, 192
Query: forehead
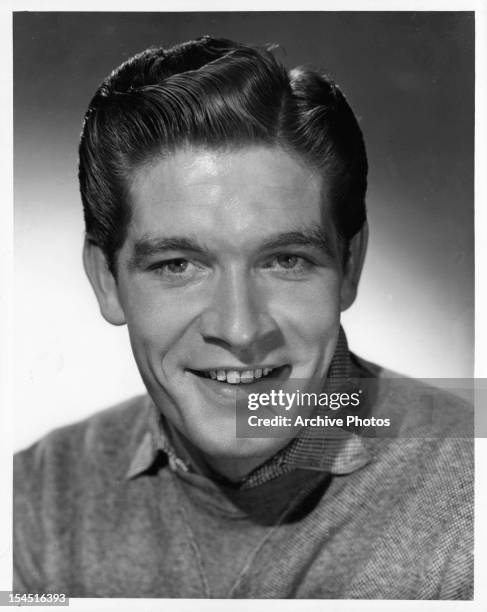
238, 194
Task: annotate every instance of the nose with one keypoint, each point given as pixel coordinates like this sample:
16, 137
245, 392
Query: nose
237, 316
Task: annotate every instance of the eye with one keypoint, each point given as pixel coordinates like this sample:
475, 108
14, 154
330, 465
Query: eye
289, 265
288, 261
178, 271
175, 266
172, 267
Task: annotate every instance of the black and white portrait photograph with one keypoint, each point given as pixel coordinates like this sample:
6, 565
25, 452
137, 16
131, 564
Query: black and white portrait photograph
244, 307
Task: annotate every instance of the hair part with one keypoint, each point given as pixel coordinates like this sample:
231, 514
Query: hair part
213, 93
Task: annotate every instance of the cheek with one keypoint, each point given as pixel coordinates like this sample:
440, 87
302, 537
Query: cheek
311, 311
156, 323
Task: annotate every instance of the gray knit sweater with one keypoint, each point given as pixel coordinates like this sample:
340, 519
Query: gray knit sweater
100, 512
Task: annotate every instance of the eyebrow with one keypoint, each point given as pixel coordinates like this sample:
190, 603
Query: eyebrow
149, 246
314, 237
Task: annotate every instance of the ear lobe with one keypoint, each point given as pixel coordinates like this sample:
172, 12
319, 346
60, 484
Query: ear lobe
353, 267
103, 283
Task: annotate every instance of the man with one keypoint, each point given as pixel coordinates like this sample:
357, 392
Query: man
224, 203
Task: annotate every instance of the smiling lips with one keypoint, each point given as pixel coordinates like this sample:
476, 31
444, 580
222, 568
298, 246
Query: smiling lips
235, 377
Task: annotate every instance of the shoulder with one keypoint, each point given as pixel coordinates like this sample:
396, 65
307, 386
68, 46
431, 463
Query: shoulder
424, 465
103, 439
65, 479
430, 437
441, 407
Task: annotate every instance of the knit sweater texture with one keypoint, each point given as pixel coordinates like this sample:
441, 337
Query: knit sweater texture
101, 511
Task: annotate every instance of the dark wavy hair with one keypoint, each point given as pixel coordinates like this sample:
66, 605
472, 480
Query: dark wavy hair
214, 93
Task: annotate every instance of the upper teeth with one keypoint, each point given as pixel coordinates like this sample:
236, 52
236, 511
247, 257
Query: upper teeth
235, 377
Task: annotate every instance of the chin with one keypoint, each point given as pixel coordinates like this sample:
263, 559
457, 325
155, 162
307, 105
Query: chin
219, 444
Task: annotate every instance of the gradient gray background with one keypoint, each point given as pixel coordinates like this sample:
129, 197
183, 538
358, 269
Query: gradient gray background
410, 80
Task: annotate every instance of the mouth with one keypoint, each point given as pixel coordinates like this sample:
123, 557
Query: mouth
231, 376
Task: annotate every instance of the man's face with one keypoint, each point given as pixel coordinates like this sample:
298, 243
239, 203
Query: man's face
230, 268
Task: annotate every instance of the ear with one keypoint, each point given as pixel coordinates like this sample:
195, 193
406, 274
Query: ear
103, 283
353, 267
